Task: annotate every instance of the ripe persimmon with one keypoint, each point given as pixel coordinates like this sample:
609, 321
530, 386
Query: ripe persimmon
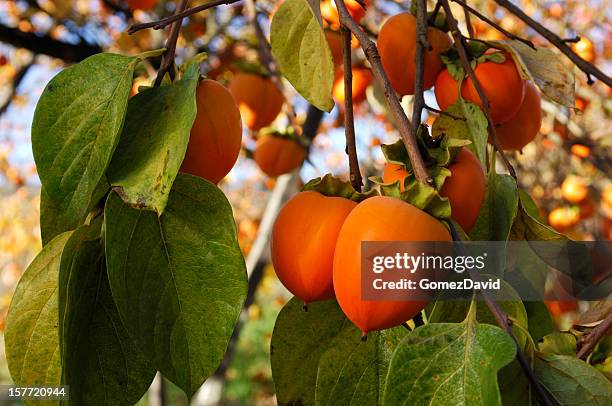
379, 218
216, 135
141, 4
396, 45
258, 99
523, 127
303, 243
585, 49
278, 155
329, 12
501, 83
464, 188
559, 307
563, 218
362, 77
574, 189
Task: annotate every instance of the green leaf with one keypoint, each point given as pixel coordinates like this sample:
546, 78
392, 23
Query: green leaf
31, 335
101, 363
467, 122
318, 357
300, 47
529, 227
449, 363
572, 381
558, 343
53, 221
514, 386
445, 311
498, 209
178, 280
76, 127
540, 322
154, 142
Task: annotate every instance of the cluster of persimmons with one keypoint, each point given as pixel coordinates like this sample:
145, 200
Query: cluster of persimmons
317, 236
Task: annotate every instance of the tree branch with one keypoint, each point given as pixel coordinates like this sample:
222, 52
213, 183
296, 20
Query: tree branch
403, 124
167, 63
460, 46
492, 23
587, 343
558, 42
504, 322
421, 44
44, 44
349, 122
15, 86
156, 25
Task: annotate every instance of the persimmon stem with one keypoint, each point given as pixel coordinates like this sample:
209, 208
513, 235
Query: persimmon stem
267, 59
349, 123
465, 62
554, 39
157, 25
167, 63
504, 322
470, 10
587, 343
421, 45
403, 124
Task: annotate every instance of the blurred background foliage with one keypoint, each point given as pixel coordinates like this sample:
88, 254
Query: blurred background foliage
38, 38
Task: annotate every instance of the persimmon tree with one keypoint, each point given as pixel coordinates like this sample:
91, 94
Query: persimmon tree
141, 270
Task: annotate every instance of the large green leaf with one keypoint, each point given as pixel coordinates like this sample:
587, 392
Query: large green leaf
154, 141
498, 209
572, 381
449, 363
31, 336
318, 357
179, 280
540, 321
100, 361
76, 128
300, 47
514, 386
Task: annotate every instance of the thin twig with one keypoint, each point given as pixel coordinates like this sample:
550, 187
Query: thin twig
349, 124
21, 74
421, 45
504, 322
167, 63
371, 52
157, 25
587, 343
267, 59
443, 113
434, 13
461, 49
468, 20
467, 8
558, 42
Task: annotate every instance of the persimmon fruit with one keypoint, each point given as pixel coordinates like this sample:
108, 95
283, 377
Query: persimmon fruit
559, 307
258, 99
362, 77
501, 83
303, 243
330, 13
464, 188
563, 218
574, 189
216, 134
397, 48
378, 218
334, 40
141, 4
523, 127
278, 155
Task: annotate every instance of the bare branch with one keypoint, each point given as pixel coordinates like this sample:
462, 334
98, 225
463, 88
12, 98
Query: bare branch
371, 52
167, 63
421, 45
492, 23
460, 46
349, 123
587, 343
15, 86
583, 65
